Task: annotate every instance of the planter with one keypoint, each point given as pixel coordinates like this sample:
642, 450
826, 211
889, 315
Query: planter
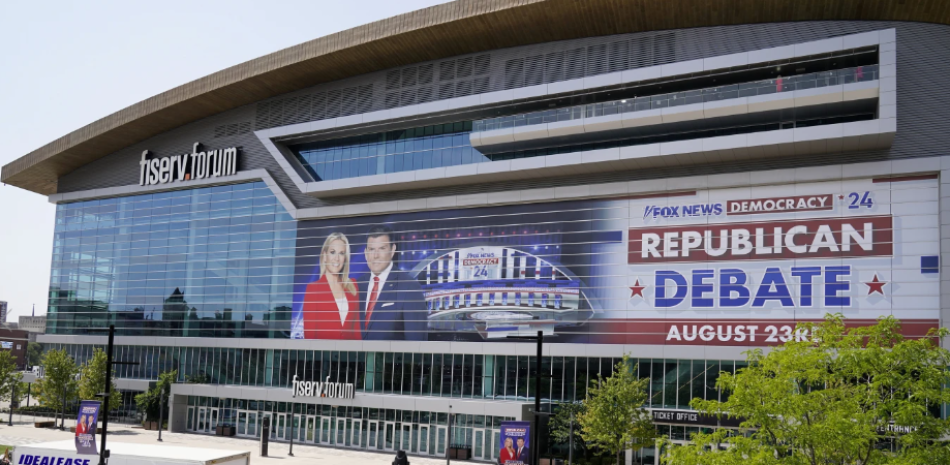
219, 430
151, 426
460, 453
229, 431
44, 424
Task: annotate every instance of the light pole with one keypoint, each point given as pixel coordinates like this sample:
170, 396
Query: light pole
62, 410
103, 452
570, 443
291, 453
12, 401
448, 439
161, 410
536, 428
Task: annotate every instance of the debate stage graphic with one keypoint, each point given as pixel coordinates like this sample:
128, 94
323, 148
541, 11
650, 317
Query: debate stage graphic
500, 291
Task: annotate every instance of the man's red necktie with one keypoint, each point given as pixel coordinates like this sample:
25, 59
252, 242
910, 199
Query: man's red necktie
372, 299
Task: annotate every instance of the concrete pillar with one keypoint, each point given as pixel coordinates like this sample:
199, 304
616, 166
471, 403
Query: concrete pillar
177, 413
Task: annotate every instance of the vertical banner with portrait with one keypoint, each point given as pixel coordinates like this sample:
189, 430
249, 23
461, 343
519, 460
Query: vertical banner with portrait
515, 443
86, 421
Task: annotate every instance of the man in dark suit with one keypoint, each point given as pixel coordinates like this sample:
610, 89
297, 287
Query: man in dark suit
522, 451
392, 305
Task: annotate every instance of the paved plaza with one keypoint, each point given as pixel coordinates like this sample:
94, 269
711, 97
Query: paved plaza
23, 432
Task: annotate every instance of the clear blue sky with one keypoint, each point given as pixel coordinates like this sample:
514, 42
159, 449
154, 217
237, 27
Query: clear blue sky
65, 64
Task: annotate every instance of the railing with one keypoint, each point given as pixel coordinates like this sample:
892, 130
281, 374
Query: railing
747, 89
29, 416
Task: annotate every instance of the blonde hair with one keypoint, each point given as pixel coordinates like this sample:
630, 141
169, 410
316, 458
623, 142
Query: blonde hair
345, 273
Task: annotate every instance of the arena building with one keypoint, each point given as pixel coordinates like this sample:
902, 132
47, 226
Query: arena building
349, 231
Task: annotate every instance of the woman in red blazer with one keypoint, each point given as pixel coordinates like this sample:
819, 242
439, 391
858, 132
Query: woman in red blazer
508, 452
331, 303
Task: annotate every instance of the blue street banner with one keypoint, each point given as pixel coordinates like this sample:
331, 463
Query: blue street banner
86, 422
515, 446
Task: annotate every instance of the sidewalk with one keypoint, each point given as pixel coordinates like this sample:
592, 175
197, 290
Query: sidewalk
303, 454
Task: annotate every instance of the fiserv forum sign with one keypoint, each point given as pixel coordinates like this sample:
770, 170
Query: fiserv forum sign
188, 166
322, 389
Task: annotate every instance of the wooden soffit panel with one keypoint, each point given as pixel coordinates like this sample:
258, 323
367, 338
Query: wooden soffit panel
454, 28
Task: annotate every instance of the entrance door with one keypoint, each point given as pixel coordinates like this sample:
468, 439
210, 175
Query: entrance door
373, 431
212, 420
340, 431
294, 430
252, 424
406, 436
202, 419
310, 435
357, 429
424, 439
388, 437
242, 423
280, 424
478, 445
325, 431
655, 455
440, 442
190, 426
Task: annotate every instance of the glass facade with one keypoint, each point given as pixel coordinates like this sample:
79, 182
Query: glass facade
414, 431
673, 383
208, 262
390, 152
712, 94
448, 144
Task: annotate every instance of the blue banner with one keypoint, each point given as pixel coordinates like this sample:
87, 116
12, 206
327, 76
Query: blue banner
86, 422
515, 443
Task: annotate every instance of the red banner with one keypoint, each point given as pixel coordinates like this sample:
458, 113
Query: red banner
768, 240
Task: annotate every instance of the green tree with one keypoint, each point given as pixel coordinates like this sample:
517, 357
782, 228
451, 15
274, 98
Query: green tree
200, 378
59, 374
34, 353
560, 424
613, 418
9, 376
93, 380
152, 400
850, 396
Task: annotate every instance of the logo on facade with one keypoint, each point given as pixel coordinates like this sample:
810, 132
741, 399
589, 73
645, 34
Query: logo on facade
780, 204
783, 239
323, 389
188, 166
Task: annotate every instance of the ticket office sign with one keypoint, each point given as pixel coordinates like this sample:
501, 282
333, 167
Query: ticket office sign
733, 270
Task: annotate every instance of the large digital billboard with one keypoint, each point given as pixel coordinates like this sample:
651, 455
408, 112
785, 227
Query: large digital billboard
732, 266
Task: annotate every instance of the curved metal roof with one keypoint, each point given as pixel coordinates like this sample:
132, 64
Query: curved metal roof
455, 28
